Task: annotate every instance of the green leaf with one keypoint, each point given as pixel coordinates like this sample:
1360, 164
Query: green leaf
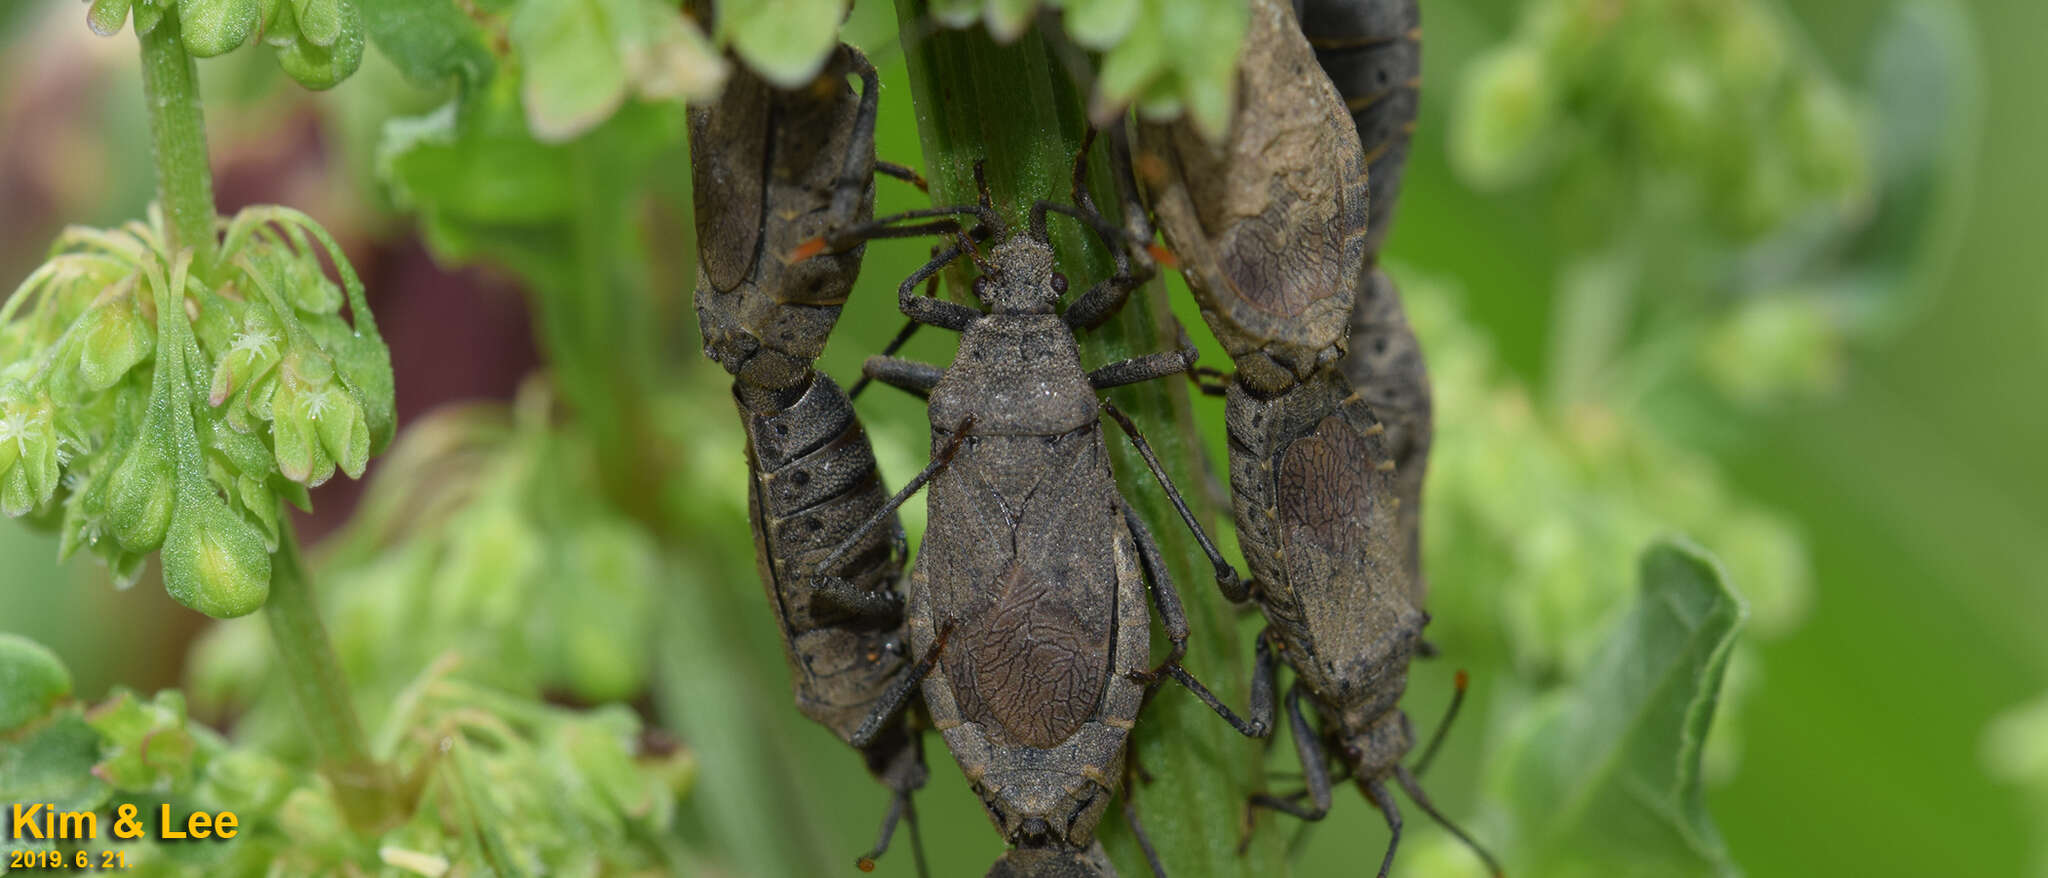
53, 763
147, 747
1605, 777
429, 41
786, 41
32, 680
574, 77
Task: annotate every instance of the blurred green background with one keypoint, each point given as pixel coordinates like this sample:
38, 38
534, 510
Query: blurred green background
1911, 477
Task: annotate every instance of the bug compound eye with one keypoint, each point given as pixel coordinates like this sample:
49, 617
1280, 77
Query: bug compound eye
1059, 283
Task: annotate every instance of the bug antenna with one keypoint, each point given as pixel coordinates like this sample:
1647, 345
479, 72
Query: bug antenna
1443, 726
1422, 801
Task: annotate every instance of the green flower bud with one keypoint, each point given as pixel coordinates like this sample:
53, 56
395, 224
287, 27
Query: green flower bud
214, 27
28, 455
319, 67
106, 16
147, 14
309, 288
280, 24
214, 561
113, 339
142, 495
32, 680
250, 355
321, 22
338, 419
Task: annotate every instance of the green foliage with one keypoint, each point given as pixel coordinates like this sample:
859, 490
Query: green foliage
32, 679
1604, 775
501, 784
2016, 752
480, 538
317, 42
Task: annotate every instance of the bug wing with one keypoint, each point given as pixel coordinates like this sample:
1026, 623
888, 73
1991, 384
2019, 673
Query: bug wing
1033, 612
1339, 542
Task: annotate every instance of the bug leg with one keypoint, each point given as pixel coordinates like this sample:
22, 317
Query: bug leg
1378, 794
1315, 766
904, 173
909, 376
1136, 369
855, 175
1227, 579
895, 344
1209, 381
1422, 801
929, 309
898, 694
1175, 619
835, 593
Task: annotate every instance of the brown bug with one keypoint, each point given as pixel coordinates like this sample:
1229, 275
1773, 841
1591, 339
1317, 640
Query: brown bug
1372, 51
771, 169
1027, 598
1270, 227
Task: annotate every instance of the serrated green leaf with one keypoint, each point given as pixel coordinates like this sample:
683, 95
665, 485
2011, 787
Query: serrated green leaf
52, 763
32, 680
429, 42
145, 744
786, 41
1605, 778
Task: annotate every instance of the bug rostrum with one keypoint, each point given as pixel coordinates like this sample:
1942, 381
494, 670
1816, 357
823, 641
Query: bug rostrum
1270, 227
773, 168
1028, 614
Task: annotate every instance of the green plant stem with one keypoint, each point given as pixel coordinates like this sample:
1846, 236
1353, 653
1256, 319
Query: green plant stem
321, 689
177, 134
1014, 109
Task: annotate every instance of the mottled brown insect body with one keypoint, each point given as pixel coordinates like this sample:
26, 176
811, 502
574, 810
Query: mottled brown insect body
1372, 51
1316, 473
773, 169
1272, 222
1387, 368
1027, 601
1029, 563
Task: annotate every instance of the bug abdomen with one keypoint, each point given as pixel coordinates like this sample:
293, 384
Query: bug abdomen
1372, 50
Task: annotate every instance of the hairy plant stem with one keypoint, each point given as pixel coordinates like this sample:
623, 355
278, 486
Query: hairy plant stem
184, 183
177, 134
1016, 110
321, 689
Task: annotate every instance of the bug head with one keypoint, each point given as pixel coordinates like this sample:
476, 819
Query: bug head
1017, 277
